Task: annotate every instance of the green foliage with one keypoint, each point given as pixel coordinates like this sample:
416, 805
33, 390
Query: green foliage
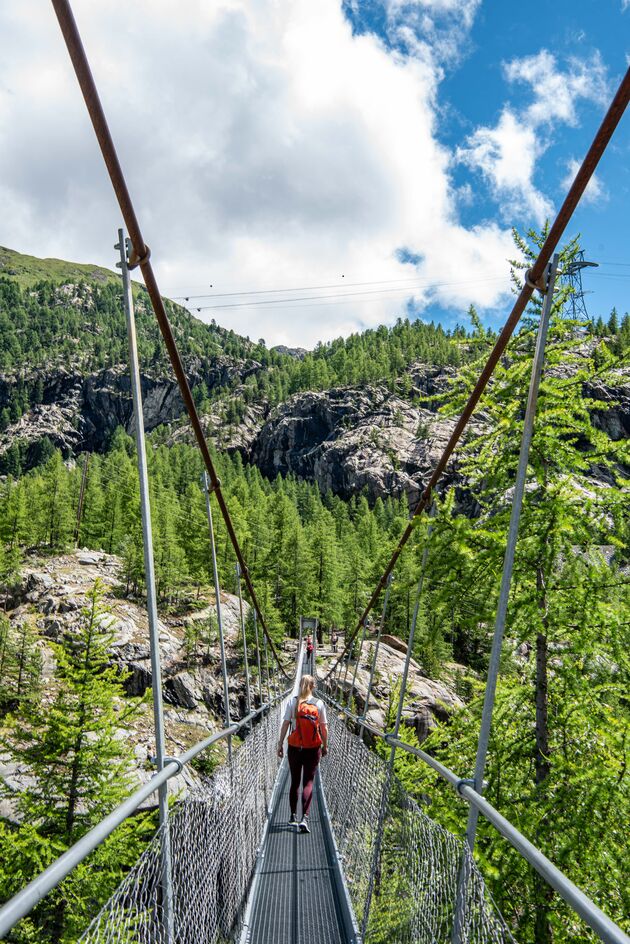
20, 665
558, 760
78, 769
66, 317
307, 552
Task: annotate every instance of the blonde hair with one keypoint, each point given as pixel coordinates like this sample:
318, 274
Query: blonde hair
307, 684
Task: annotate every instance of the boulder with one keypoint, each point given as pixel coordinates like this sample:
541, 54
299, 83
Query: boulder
138, 679
394, 643
183, 690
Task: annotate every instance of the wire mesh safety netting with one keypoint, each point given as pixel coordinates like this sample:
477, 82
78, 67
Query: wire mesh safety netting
422, 870
213, 835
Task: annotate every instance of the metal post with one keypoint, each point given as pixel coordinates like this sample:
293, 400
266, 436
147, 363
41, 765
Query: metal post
375, 655
266, 652
260, 684
77, 533
356, 665
508, 562
392, 754
504, 593
345, 674
217, 596
124, 246
410, 641
248, 696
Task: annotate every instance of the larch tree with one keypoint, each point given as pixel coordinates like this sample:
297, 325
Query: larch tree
79, 769
555, 742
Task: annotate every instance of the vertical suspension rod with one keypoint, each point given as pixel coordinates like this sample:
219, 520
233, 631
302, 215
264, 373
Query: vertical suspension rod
508, 561
356, 667
248, 694
84, 472
380, 829
258, 663
141, 256
375, 657
217, 596
149, 569
269, 695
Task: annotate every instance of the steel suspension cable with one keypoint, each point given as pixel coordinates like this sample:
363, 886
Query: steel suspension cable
534, 279
141, 257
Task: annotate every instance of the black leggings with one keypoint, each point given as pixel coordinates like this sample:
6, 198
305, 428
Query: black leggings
303, 765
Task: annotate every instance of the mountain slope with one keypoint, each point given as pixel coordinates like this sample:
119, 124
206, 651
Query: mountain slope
357, 413
29, 270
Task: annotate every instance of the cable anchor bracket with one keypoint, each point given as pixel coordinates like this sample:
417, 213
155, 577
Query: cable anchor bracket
133, 259
540, 285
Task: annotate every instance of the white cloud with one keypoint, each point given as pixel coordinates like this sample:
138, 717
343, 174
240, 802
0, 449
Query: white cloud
595, 191
433, 30
264, 146
556, 93
507, 154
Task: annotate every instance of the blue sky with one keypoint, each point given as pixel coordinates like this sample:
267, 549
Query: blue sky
350, 159
475, 90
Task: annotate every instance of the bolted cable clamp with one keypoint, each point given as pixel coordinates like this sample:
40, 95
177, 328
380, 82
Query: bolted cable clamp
469, 782
464, 782
541, 285
167, 760
133, 259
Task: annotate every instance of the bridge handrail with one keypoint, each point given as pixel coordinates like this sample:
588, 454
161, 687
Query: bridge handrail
26, 899
604, 927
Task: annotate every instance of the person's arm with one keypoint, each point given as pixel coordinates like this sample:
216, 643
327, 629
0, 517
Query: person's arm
323, 728
283, 734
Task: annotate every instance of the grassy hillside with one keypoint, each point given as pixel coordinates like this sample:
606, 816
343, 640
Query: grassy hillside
29, 270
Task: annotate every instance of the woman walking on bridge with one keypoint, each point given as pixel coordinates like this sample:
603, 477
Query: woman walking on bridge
308, 742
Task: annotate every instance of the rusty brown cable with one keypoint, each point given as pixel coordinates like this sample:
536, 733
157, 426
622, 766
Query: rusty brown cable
535, 277
87, 84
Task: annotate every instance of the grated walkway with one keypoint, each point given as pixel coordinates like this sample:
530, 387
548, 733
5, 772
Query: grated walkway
297, 898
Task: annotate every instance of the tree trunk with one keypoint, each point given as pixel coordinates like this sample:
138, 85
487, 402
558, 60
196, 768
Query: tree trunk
543, 766
21, 664
53, 511
543, 893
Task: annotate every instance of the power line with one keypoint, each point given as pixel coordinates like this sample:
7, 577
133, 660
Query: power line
338, 295
299, 288
309, 288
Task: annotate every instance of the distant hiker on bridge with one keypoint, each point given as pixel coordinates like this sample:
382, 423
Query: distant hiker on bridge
308, 742
333, 640
309, 653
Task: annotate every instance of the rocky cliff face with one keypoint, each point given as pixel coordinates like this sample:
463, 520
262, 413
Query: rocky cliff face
348, 439
353, 439
79, 411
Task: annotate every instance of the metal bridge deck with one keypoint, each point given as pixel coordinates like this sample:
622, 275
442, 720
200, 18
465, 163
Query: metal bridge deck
297, 897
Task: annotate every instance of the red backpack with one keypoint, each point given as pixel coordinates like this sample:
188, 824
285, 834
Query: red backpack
306, 733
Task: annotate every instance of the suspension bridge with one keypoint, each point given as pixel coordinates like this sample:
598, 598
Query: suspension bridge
224, 864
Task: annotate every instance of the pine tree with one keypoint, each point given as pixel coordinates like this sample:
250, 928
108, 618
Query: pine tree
79, 770
54, 510
613, 322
